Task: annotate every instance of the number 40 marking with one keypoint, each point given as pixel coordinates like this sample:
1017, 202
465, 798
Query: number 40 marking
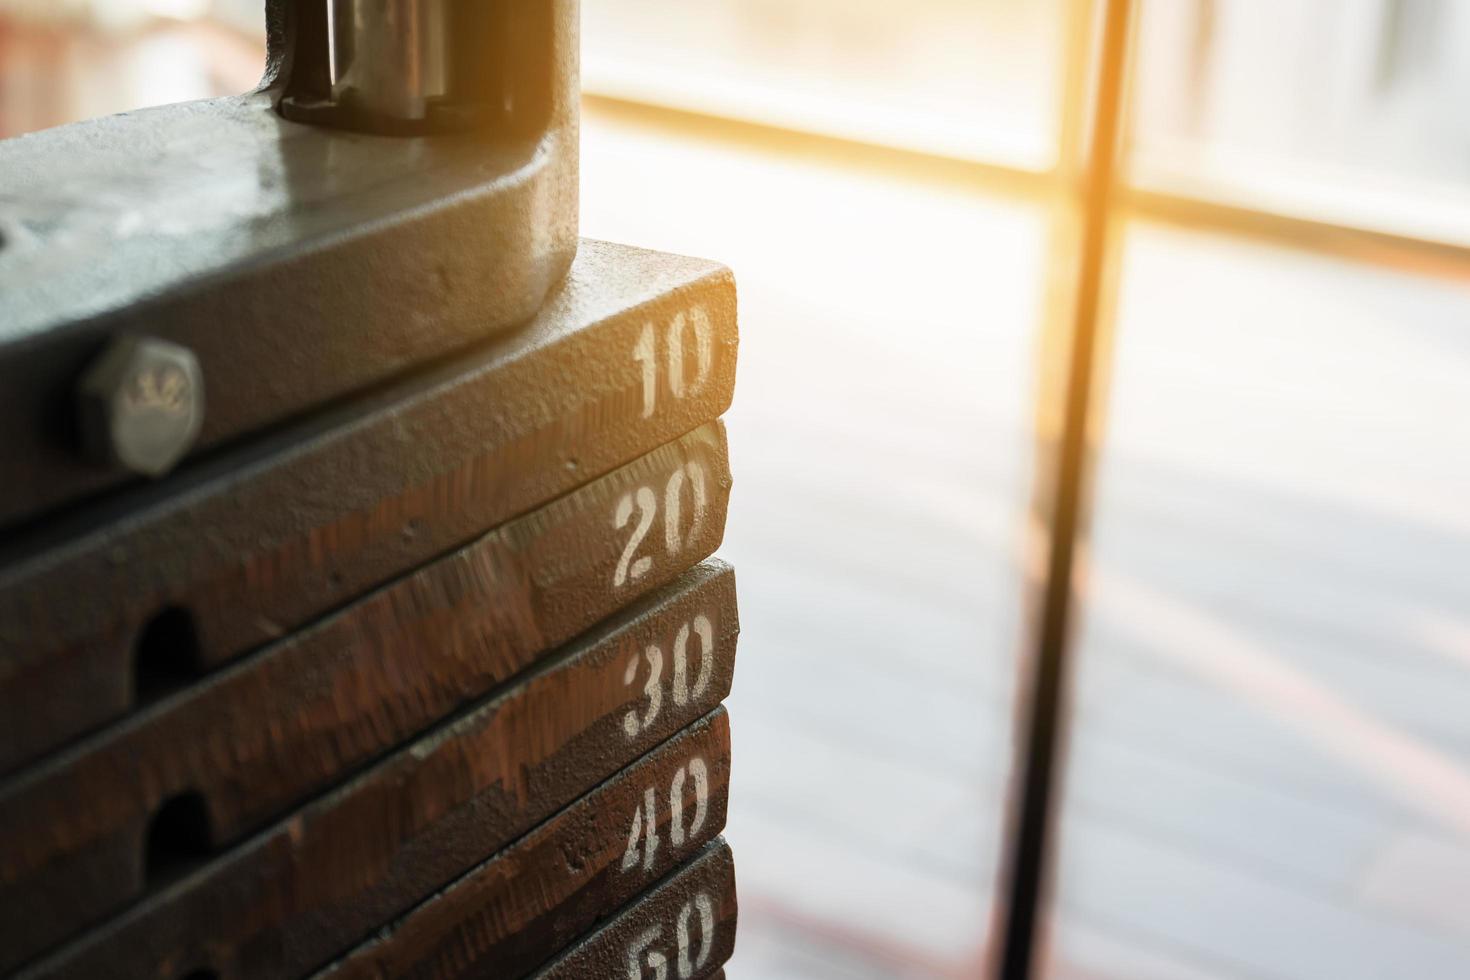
643, 838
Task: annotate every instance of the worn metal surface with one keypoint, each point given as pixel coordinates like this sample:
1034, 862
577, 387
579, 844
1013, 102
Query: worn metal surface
251, 544
290, 720
522, 907
308, 888
683, 928
298, 263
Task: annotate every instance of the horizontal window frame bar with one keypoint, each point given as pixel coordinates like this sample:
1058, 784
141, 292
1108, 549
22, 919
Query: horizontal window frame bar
1197, 212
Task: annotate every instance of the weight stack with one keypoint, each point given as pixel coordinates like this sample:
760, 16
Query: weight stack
423, 681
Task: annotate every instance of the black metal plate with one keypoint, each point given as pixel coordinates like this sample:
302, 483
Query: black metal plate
298, 263
696, 904
526, 904
254, 543
252, 741
310, 887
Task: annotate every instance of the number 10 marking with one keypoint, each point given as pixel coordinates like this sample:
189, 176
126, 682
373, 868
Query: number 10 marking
696, 320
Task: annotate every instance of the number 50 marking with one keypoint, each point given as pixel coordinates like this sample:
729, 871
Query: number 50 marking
642, 952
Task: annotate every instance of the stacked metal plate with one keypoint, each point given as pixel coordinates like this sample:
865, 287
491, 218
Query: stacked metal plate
425, 681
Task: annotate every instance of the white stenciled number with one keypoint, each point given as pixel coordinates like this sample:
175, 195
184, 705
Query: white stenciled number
705, 630
698, 322
687, 330
643, 838
644, 954
647, 504
632, 725
699, 772
638, 953
680, 688
644, 354
706, 909
693, 474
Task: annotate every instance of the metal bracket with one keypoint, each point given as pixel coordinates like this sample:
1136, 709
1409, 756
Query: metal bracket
298, 264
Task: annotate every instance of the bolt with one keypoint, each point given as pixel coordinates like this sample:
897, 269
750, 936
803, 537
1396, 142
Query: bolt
140, 404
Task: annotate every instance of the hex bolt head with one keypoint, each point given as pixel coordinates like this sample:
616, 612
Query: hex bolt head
140, 404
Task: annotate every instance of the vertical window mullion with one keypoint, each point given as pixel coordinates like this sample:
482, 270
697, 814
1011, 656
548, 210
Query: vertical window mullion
1082, 260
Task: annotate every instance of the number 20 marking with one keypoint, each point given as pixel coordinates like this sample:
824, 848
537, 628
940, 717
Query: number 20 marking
645, 502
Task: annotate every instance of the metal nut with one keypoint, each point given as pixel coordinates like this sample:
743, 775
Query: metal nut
140, 404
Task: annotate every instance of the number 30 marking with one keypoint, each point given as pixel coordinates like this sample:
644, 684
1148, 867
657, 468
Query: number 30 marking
679, 686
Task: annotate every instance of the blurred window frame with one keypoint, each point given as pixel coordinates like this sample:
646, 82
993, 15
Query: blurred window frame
1095, 192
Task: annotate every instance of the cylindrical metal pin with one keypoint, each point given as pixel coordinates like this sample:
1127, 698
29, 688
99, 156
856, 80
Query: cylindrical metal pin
389, 57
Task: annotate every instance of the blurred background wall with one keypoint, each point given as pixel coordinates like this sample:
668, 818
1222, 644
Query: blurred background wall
1268, 770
